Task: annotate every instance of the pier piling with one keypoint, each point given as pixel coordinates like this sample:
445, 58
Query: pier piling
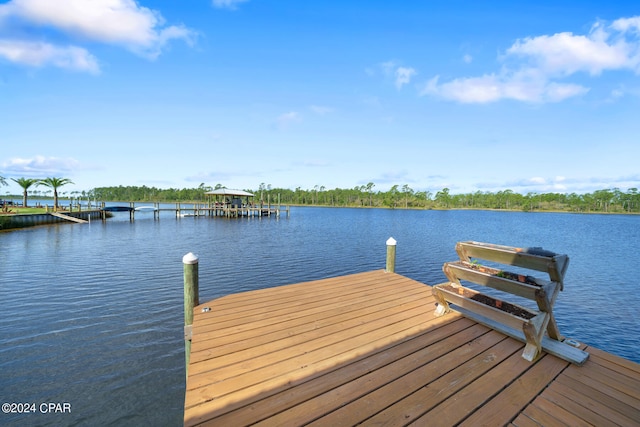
191, 299
391, 255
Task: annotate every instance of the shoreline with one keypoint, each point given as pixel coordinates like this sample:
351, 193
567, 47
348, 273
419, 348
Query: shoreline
42, 210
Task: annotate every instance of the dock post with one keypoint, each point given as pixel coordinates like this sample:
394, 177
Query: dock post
191, 299
391, 255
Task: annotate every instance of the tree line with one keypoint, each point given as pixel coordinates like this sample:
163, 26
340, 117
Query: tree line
400, 197
611, 200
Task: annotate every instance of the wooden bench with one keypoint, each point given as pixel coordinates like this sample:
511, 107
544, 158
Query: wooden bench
536, 327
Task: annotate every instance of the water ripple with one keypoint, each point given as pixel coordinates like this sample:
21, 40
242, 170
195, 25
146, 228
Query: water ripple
95, 316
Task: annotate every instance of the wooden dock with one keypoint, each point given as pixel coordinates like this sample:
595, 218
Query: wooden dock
231, 211
68, 218
182, 210
221, 202
367, 349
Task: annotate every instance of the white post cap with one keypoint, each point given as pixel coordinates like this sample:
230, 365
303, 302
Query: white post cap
391, 241
190, 258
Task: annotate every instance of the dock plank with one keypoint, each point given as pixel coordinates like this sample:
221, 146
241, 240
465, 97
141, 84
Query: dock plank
524, 420
547, 413
285, 346
475, 394
301, 403
507, 404
458, 374
345, 404
581, 408
367, 349
295, 364
217, 342
604, 395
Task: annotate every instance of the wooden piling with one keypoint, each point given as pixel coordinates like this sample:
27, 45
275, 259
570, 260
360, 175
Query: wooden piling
391, 255
191, 299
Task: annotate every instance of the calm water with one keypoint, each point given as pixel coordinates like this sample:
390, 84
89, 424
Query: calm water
92, 314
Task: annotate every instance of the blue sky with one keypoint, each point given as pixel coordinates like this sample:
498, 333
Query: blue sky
473, 96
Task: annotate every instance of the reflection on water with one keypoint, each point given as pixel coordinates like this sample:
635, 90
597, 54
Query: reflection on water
92, 313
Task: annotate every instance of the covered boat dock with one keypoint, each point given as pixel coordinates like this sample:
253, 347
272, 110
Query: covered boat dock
236, 203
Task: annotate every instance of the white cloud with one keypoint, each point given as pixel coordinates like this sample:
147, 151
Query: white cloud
286, 119
117, 22
616, 93
39, 54
467, 58
625, 25
536, 68
492, 88
227, 4
388, 67
403, 76
318, 109
562, 184
556, 92
538, 180
400, 75
565, 54
40, 167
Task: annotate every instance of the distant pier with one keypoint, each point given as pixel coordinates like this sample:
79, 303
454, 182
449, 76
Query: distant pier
222, 202
183, 210
100, 211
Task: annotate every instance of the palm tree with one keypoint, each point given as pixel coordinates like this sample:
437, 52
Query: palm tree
443, 197
25, 183
54, 183
407, 191
369, 188
3, 181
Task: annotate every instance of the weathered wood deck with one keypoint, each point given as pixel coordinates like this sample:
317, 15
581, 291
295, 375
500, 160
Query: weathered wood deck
366, 348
